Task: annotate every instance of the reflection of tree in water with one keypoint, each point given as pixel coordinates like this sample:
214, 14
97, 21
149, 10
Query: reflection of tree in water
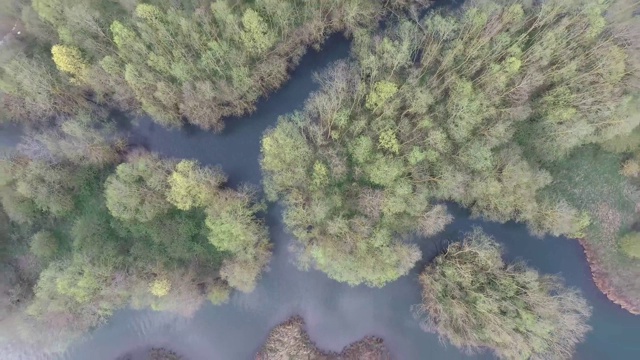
153, 354
163, 354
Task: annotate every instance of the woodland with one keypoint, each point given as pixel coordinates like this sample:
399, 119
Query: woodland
518, 111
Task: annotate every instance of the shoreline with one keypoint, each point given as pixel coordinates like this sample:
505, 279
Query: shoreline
601, 281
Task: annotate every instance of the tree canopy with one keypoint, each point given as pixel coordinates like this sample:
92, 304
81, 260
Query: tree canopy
472, 299
141, 231
194, 60
470, 107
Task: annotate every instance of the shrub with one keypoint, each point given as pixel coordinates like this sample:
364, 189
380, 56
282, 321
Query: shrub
219, 293
160, 287
630, 245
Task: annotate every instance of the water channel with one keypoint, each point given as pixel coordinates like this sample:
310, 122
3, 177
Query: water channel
336, 314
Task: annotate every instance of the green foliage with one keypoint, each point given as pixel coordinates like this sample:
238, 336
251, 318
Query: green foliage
389, 142
136, 191
286, 154
477, 107
69, 59
191, 186
121, 239
160, 287
630, 245
199, 61
219, 293
256, 35
472, 299
44, 245
51, 187
381, 92
320, 175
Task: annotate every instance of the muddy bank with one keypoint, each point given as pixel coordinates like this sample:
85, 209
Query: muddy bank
290, 340
601, 279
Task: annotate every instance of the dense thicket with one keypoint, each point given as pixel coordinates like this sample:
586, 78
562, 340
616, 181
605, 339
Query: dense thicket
195, 60
472, 299
470, 106
92, 232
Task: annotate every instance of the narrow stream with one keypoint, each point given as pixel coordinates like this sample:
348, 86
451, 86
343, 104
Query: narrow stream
336, 314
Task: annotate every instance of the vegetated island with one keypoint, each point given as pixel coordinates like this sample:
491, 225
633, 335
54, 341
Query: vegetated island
289, 340
89, 228
475, 301
525, 112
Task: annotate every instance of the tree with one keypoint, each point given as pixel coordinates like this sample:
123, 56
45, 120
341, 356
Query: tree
192, 186
51, 186
44, 245
472, 299
137, 189
69, 59
80, 139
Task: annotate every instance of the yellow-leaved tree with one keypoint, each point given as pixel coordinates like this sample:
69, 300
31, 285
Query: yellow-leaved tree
160, 287
69, 59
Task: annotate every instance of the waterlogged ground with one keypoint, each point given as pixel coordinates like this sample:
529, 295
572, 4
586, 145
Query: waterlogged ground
335, 314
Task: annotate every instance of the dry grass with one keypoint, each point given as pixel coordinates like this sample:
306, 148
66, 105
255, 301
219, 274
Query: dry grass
289, 340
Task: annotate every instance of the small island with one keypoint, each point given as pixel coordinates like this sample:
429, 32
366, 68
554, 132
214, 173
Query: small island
290, 340
155, 353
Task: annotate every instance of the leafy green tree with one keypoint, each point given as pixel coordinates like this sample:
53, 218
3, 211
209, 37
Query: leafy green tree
192, 186
69, 59
137, 189
50, 186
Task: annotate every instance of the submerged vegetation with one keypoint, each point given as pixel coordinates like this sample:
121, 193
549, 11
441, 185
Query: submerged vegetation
90, 236
472, 299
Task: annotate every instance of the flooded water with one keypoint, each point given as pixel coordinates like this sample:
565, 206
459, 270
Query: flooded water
336, 314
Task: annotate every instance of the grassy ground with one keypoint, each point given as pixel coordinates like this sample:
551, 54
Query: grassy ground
590, 181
